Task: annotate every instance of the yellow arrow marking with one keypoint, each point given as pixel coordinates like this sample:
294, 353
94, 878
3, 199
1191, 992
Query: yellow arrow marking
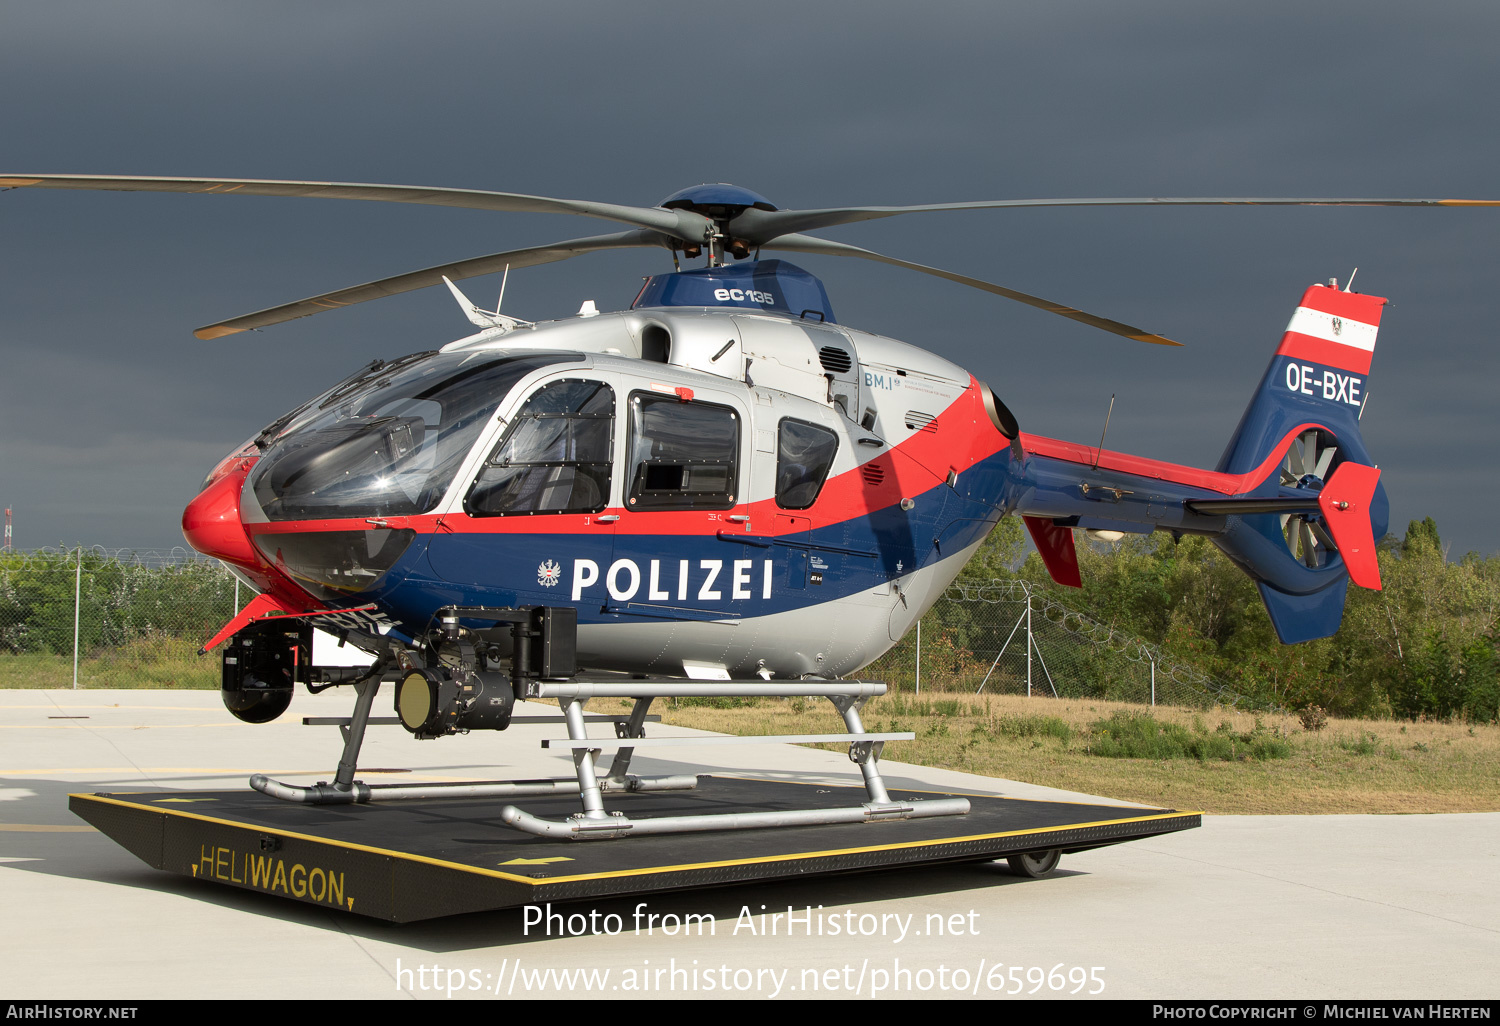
536, 862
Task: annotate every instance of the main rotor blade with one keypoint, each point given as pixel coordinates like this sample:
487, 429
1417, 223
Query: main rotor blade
809, 244
470, 268
759, 227
680, 224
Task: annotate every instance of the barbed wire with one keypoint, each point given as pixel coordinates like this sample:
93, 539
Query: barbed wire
1102, 637
49, 557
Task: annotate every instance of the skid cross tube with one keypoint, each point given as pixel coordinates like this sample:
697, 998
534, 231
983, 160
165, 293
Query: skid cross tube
593, 823
345, 790
634, 727
525, 721
599, 744
667, 688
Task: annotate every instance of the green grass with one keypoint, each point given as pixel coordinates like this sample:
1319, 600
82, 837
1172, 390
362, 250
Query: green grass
1167, 756
1142, 736
1035, 726
1235, 763
146, 663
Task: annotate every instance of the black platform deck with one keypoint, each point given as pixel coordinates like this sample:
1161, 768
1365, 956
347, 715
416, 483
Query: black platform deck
411, 860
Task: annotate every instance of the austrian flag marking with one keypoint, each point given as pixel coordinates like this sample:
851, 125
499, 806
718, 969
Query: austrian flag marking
1333, 328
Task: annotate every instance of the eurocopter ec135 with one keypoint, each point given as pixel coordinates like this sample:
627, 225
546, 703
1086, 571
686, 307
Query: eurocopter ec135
727, 490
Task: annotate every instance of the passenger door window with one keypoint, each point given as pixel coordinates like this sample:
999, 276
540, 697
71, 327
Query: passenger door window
683, 455
555, 458
804, 455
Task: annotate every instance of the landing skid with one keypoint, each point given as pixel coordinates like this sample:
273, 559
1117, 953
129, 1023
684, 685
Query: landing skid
418, 851
592, 822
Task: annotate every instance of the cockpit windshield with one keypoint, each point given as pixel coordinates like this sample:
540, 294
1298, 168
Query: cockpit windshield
387, 444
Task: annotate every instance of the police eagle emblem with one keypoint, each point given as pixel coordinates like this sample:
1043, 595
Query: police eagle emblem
548, 574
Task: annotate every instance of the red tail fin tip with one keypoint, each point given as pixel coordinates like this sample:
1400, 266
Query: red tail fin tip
1333, 328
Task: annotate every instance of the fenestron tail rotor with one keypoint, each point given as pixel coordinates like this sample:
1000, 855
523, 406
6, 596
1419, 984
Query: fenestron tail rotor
1331, 516
1308, 464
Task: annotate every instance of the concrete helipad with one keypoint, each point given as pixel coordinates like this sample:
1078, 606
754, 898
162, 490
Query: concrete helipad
1276, 906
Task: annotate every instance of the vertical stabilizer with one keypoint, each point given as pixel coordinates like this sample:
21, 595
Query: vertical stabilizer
1320, 374
1300, 440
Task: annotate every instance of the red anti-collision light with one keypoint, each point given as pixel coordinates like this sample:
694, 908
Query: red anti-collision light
211, 523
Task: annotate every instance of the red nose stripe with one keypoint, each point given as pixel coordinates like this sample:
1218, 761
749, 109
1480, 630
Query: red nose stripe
211, 523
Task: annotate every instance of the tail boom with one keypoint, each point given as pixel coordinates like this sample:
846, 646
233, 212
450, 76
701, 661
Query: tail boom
1302, 524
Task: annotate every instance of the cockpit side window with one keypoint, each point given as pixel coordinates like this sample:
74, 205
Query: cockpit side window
556, 456
804, 455
388, 442
683, 455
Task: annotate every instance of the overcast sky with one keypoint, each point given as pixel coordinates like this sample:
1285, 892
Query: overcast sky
111, 412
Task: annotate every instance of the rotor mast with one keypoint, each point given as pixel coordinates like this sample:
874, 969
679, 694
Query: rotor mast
719, 204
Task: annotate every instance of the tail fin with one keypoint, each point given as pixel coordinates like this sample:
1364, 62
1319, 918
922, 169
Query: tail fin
1300, 439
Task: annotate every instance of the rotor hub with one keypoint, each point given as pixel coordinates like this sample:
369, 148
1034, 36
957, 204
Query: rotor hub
718, 202
721, 203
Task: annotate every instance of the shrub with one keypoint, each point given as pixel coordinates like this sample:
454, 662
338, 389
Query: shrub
1313, 717
1035, 726
1361, 744
1140, 736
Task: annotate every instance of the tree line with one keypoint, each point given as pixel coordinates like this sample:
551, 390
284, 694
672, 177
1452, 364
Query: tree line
1424, 645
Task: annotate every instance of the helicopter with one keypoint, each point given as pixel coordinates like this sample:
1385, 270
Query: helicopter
719, 490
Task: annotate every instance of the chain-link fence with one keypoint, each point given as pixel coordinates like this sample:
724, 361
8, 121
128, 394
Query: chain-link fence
1008, 637
96, 618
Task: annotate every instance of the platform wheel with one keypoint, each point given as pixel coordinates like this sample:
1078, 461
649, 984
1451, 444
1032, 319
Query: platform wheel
1035, 865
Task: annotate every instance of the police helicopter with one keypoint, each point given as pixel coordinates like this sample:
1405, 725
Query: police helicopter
721, 490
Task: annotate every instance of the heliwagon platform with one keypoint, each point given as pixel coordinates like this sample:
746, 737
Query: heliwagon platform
408, 861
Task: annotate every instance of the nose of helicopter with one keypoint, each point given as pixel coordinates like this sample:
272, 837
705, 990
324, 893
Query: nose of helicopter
211, 523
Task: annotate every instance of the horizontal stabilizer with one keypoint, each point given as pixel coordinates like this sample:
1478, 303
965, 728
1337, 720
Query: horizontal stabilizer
1244, 507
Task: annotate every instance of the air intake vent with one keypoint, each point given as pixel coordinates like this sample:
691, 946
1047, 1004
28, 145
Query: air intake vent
835, 360
916, 420
873, 473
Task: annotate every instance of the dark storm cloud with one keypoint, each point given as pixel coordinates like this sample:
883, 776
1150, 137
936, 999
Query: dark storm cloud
110, 412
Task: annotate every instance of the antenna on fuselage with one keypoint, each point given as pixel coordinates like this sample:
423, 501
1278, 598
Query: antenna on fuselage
1100, 452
